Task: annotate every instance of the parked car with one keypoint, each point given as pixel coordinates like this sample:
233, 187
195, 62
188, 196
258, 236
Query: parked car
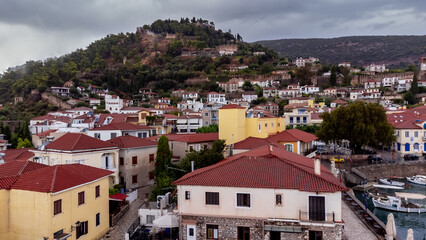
337, 159
410, 157
374, 159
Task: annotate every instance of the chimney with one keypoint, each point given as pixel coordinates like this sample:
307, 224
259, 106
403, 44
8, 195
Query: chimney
317, 166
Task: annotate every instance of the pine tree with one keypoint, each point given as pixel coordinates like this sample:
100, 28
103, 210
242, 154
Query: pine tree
414, 85
164, 156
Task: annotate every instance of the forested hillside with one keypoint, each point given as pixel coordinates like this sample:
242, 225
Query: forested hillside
123, 63
398, 51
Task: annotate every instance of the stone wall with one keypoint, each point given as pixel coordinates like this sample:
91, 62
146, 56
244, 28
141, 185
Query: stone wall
407, 169
228, 228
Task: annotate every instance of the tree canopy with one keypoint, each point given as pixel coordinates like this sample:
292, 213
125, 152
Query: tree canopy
360, 123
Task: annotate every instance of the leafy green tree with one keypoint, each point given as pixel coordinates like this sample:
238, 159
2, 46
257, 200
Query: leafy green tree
410, 97
414, 85
247, 86
208, 129
164, 156
360, 123
204, 157
24, 143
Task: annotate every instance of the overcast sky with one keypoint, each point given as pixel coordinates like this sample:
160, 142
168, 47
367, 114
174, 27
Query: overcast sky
38, 29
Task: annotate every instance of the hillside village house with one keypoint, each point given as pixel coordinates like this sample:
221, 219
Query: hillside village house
249, 96
271, 194
216, 97
113, 130
53, 202
82, 149
136, 161
189, 123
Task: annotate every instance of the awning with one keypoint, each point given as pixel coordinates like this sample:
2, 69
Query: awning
167, 221
118, 197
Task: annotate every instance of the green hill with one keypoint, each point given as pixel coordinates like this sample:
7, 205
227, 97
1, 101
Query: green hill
396, 51
153, 56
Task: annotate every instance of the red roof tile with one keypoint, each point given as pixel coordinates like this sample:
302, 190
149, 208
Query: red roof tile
265, 167
232, 106
16, 168
47, 133
77, 141
56, 178
52, 117
132, 142
251, 143
17, 154
293, 135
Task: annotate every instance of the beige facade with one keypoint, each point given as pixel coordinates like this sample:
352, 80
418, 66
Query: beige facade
99, 158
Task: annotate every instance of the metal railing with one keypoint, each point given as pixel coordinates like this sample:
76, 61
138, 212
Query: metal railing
316, 217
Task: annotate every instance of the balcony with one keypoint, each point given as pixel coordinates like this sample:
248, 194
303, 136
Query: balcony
316, 217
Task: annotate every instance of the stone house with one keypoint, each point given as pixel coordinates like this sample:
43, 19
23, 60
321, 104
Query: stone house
271, 194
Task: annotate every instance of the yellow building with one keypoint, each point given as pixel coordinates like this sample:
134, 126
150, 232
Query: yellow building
53, 202
234, 126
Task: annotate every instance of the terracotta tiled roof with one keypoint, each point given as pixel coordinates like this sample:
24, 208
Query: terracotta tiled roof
121, 126
339, 101
56, 178
265, 167
116, 117
3, 141
17, 154
232, 106
80, 109
47, 133
16, 168
52, 117
131, 142
251, 143
293, 135
76, 142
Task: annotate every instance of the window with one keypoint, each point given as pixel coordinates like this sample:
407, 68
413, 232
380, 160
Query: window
278, 199
134, 179
206, 114
151, 175
416, 134
291, 119
315, 235
397, 133
151, 158
81, 161
187, 195
98, 219
243, 233
150, 219
113, 135
243, 200
407, 134
134, 160
57, 206
191, 232
121, 161
97, 191
289, 147
82, 229
317, 208
81, 198
212, 232
266, 125
191, 148
259, 128
212, 198
98, 135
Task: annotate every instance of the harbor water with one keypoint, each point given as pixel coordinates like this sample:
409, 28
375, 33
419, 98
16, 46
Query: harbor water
403, 221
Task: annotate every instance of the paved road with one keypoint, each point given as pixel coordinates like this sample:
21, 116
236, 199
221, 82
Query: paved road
125, 222
354, 227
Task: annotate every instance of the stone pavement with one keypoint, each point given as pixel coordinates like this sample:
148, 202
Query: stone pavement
117, 232
354, 227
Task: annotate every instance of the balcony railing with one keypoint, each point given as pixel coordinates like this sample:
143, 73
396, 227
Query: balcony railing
316, 217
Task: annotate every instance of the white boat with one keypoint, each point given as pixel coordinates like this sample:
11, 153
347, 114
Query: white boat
396, 204
388, 181
417, 179
387, 186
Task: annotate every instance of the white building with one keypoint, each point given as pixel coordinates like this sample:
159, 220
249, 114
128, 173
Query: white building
271, 194
190, 105
375, 68
113, 103
189, 123
216, 97
389, 81
248, 97
309, 89
114, 130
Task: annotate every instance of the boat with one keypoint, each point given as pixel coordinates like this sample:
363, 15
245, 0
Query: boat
417, 179
388, 181
387, 186
397, 204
